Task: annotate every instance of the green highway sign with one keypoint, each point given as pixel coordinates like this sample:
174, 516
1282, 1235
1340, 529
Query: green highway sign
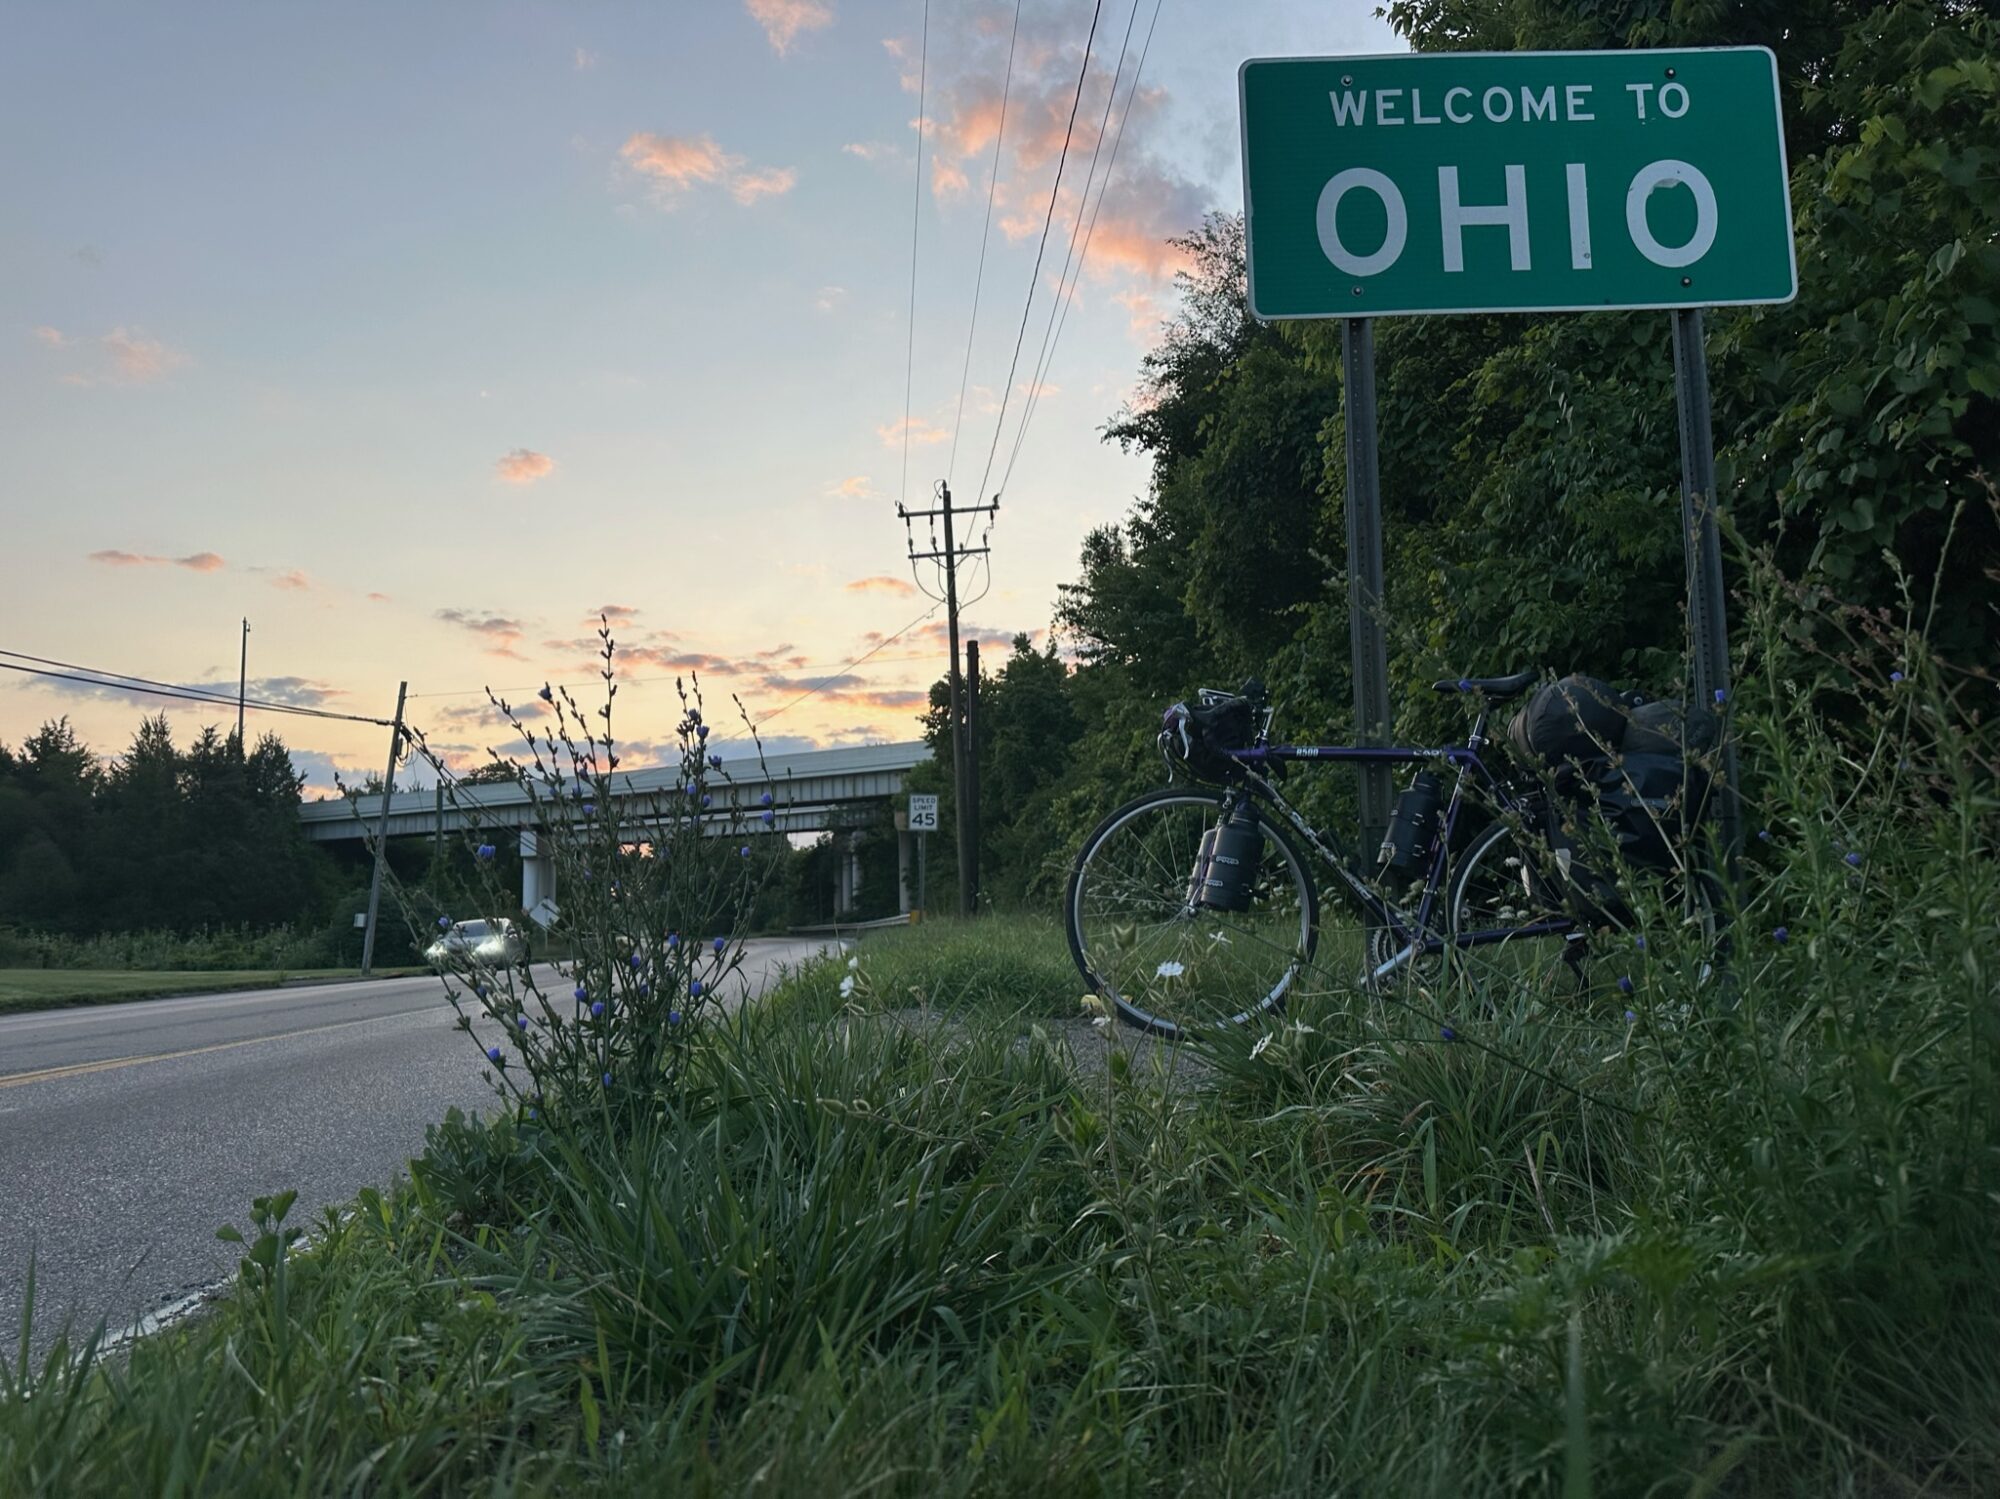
1515, 182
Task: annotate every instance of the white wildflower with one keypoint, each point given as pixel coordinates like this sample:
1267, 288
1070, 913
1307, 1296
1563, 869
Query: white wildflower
847, 987
1170, 970
1263, 1045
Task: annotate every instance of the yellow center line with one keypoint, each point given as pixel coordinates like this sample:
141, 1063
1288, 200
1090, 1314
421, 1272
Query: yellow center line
109, 1064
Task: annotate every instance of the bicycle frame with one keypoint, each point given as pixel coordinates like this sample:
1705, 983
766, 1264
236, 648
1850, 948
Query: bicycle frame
1413, 935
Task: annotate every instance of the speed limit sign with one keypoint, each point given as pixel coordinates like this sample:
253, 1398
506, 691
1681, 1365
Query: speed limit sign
923, 814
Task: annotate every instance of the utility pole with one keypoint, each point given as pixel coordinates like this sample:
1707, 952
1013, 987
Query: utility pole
965, 799
382, 833
242, 681
972, 761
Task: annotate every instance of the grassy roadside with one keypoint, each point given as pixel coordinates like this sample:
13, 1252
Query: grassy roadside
1719, 1225
23, 989
869, 1255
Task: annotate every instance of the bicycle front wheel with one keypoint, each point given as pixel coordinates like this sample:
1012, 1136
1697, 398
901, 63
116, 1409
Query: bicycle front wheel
1169, 963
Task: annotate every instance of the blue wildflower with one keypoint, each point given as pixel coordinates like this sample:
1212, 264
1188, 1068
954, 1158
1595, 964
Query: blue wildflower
493, 1054
581, 994
1630, 1017
1640, 943
597, 1010
694, 988
743, 852
644, 990
521, 1022
1625, 984
673, 1017
1764, 834
1721, 696
691, 789
486, 852
1448, 1033
707, 800
673, 941
701, 730
720, 943
607, 1079
716, 761
545, 694
1782, 935
770, 818
1895, 676
1854, 859
444, 923
589, 808
767, 798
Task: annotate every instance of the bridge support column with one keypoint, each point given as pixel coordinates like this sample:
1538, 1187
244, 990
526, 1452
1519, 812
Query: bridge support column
538, 879
903, 901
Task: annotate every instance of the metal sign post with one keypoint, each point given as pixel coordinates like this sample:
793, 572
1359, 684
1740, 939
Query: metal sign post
1366, 641
1708, 622
923, 821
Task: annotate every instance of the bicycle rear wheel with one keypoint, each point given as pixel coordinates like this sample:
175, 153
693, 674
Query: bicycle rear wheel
1508, 879
1169, 964
1501, 883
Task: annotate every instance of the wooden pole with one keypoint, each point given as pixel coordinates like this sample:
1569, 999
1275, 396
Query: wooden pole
382, 835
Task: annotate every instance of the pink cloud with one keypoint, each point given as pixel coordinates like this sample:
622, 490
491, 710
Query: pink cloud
524, 466
677, 164
1134, 203
292, 580
137, 358
199, 562
675, 160
921, 433
882, 583
747, 187
783, 20
500, 633
53, 337
859, 487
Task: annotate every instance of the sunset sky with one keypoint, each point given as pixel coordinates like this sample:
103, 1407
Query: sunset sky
421, 334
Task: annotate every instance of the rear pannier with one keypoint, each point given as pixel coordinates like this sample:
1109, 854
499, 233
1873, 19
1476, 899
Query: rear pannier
1632, 766
1572, 721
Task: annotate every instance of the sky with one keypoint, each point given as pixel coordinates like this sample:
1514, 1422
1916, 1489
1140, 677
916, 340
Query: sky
425, 337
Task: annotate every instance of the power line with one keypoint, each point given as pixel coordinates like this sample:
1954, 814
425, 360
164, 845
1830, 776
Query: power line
916, 212
820, 686
1048, 219
985, 234
120, 683
1063, 301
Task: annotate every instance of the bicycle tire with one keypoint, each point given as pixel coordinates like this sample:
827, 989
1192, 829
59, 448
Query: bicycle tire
1221, 987
1537, 883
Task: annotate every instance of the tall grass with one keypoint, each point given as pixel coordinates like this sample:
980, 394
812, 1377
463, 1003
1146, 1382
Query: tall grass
1739, 1240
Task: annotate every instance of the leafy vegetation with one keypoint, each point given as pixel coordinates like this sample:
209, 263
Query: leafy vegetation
914, 1226
162, 838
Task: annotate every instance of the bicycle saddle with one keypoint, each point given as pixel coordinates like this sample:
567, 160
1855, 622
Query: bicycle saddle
1497, 689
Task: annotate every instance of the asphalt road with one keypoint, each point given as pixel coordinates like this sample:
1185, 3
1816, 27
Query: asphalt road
130, 1132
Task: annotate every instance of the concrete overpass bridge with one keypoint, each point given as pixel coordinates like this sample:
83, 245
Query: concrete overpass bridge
812, 791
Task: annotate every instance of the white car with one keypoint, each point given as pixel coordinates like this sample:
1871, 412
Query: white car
491, 943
